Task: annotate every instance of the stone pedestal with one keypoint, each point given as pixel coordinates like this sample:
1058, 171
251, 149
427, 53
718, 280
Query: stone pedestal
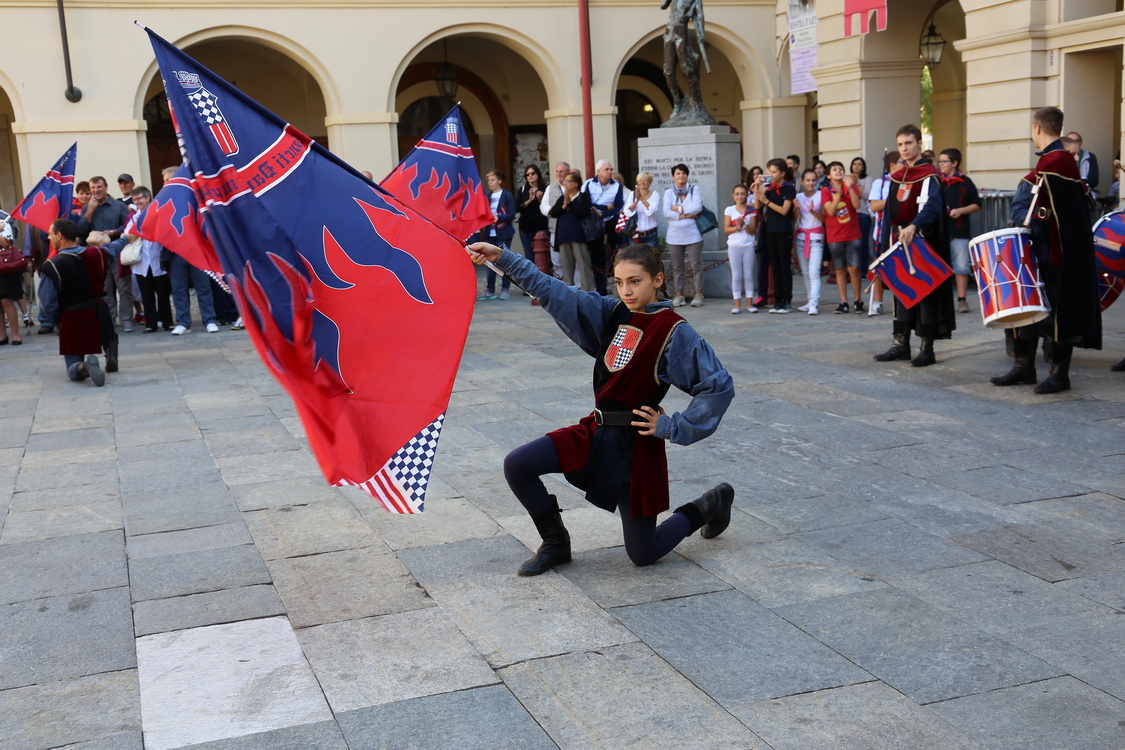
711, 153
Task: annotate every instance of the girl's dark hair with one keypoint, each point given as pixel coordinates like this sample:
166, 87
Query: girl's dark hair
740, 185
680, 166
783, 166
810, 170
645, 256
819, 163
861, 160
538, 174
752, 169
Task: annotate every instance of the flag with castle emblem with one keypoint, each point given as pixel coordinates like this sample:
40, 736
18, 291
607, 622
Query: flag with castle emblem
358, 305
51, 197
440, 180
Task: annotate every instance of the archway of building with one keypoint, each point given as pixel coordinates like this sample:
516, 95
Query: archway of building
11, 186
948, 115
1091, 102
501, 94
733, 78
275, 80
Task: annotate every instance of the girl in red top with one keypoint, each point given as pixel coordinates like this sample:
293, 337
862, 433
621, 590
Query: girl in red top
841, 198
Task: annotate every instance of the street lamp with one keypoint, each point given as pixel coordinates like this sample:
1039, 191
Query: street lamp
933, 44
447, 79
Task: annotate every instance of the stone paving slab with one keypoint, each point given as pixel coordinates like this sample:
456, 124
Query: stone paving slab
735, 650
225, 681
915, 648
293, 531
66, 565
66, 636
1083, 647
211, 608
378, 660
610, 579
867, 716
196, 572
1050, 551
49, 523
187, 540
104, 708
324, 735
640, 701
484, 718
1058, 714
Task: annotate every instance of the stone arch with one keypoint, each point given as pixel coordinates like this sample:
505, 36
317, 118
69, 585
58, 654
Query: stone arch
11, 187
541, 60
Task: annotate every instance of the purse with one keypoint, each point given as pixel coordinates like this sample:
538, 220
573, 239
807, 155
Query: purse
12, 261
706, 221
131, 253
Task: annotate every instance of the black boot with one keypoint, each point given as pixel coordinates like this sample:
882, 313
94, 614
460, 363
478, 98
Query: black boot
1009, 342
1119, 367
1059, 379
555, 549
711, 512
111, 357
900, 348
1023, 371
925, 356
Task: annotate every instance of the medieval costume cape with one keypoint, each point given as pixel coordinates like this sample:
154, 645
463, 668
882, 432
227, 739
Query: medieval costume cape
915, 197
1063, 241
79, 281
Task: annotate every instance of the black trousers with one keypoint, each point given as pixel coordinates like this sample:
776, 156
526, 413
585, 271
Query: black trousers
779, 247
602, 261
156, 300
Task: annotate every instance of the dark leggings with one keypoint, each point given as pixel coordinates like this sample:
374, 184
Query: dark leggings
645, 542
779, 246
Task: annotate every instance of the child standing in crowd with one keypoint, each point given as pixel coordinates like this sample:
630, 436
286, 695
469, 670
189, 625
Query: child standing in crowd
740, 222
845, 242
877, 200
961, 200
775, 195
810, 239
616, 455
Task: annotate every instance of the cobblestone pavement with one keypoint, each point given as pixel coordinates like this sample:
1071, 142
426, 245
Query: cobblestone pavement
917, 559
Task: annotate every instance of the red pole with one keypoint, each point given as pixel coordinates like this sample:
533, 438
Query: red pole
587, 104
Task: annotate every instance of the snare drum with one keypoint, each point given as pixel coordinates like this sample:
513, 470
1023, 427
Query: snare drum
1011, 294
1109, 289
1109, 236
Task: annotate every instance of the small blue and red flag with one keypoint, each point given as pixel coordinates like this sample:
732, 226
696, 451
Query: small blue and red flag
51, 197
439, 179
359, 306
173, 219
912, 271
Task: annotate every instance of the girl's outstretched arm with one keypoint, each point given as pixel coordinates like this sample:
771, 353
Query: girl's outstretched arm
581, 315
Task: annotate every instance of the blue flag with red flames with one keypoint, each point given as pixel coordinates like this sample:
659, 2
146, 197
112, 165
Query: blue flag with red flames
173, 219
359, 306
51, 197
440, 180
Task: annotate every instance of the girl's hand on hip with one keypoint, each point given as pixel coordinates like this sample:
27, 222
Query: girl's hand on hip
648, 419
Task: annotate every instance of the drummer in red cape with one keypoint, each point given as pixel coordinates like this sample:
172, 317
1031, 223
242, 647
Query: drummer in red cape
1063, 242
915, 206
616, 455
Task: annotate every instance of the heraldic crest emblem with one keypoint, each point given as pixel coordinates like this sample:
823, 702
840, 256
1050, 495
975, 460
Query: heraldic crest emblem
206, 106
622, 347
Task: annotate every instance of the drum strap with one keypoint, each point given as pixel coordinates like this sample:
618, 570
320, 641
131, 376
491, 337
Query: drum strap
1034, 200
924, 193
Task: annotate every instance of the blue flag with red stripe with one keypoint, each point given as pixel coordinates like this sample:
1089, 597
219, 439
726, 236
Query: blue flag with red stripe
440, 180
358, 305
51, 197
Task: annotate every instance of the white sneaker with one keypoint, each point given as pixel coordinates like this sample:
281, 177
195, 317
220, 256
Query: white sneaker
876, 309
752, 309
735, 310
180, 331
678, 301
697, 301
805, 308
212, 328
813, 310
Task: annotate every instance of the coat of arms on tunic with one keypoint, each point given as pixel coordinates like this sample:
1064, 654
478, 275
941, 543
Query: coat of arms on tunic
620, 351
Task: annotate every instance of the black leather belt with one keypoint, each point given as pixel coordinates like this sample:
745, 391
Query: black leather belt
615, 418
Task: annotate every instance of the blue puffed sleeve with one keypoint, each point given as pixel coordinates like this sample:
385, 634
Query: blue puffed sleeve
581, 315
1020, 204
690, 364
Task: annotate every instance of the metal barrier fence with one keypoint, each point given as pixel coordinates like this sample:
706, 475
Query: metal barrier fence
993, 213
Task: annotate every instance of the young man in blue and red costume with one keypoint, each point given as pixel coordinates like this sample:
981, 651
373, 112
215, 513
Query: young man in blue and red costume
1063, 241
915, 206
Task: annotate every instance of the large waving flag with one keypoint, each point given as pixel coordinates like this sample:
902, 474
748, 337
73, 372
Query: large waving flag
358, 306
51, 197
440, 180
173, 219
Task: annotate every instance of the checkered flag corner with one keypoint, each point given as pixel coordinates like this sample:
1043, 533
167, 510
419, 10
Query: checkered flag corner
401, 484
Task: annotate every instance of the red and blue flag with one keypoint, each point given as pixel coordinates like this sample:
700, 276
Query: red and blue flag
912, 271
439, 179
51, 197
173, 219
358, 305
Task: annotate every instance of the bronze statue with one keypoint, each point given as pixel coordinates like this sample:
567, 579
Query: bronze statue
688, 108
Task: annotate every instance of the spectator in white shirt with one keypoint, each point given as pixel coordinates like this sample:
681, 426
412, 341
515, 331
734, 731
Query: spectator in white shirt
644, 202
682, 204
551, 196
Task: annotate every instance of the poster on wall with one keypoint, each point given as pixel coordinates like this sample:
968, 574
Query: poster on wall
529, 147
802, 45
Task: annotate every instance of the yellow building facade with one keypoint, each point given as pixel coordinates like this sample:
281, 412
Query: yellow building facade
358, 76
